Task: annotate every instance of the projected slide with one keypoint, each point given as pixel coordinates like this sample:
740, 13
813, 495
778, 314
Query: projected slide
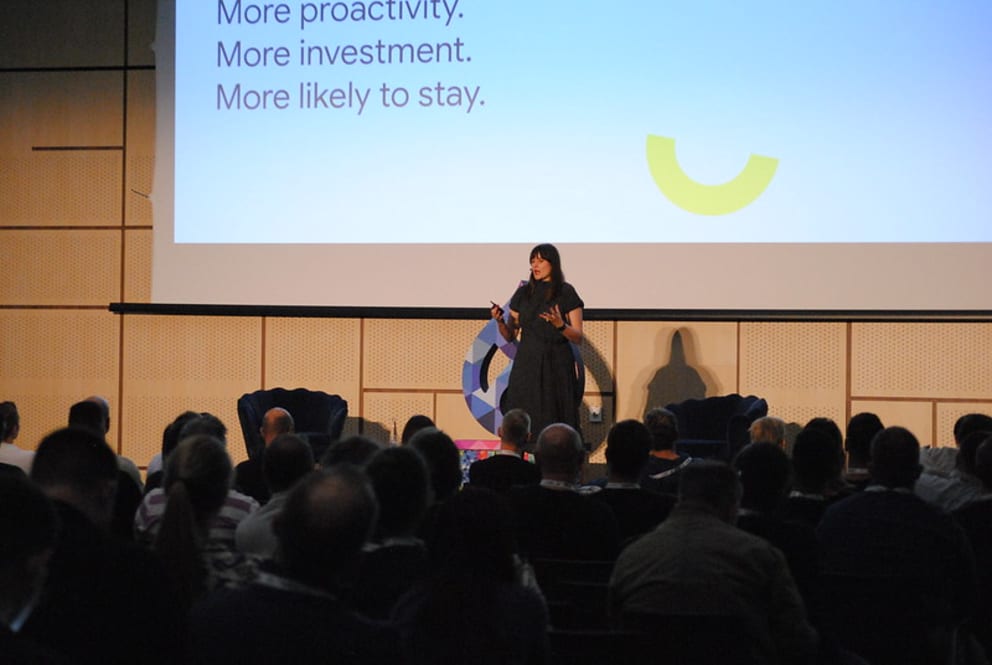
481, 121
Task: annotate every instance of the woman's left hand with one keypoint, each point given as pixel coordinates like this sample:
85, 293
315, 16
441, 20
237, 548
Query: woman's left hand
554, 317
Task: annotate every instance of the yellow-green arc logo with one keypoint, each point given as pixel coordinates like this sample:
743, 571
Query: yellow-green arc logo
702, 199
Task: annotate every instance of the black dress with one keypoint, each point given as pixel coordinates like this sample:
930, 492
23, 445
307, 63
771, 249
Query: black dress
543, 379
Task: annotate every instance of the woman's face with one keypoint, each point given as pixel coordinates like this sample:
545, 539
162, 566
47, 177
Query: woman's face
540, 268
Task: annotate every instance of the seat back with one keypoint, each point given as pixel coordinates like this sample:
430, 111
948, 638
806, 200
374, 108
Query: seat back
716, 427
576, 591
888, 620
319, 417
697, 639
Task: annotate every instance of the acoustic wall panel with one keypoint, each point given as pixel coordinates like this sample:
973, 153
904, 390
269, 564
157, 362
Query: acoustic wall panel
137, 265
385, 414
76, 33
917, 417
74, 188
320, 354
404, 354
65, 267
140, 156
57, 109
948, 414
926, 360
140, 32
661, 362
50, 359
175, 363
799, 368
41, 182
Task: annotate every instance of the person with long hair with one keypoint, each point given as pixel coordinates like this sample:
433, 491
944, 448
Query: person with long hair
547, 312
197, 478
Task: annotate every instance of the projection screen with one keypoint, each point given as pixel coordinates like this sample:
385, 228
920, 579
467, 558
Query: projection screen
688, 155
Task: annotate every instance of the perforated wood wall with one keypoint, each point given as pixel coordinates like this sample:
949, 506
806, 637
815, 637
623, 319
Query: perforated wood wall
77, 108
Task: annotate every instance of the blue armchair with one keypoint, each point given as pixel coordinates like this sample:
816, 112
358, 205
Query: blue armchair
716, 427
319, 417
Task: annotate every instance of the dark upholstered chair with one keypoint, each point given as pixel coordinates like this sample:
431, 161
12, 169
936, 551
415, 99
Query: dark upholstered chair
716, 427
695, 639
319, 417
885, 620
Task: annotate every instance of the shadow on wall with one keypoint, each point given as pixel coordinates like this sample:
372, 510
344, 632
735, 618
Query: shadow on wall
368, 428
598, 369
679, 380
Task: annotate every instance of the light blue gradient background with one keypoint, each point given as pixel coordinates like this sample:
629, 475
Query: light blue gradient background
880, 113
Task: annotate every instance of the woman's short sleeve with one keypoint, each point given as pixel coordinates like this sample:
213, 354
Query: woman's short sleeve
569, 299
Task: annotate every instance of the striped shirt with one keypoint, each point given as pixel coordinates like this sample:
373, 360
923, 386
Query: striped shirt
236, 507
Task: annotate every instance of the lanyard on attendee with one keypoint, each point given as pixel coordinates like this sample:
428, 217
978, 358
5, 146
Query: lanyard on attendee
673, 470
882, 488
286, 584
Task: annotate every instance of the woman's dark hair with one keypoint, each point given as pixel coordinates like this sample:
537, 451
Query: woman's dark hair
549, 253
170, 436
413, 425
9, 417
196, 481
443, 461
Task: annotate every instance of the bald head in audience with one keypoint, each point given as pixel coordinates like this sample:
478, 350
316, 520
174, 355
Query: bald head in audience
560, 453
275, 422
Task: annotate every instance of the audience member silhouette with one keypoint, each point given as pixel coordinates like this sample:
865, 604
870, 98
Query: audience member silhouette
10, 427
293, 613
196, 483
637, 510
912, 564
395, 557
817, 461
107, 601
10, 422
248, 476
170, 439
99, 420
765, 475
555, 519
507, 467
768, 429
413, 425
661, 474
942, 460
861, 429
89, 415
94, 414
976, 520
355, 450
236, 506
473, 575
29, 529
960, 486
443, 461
698, 563
285, 460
